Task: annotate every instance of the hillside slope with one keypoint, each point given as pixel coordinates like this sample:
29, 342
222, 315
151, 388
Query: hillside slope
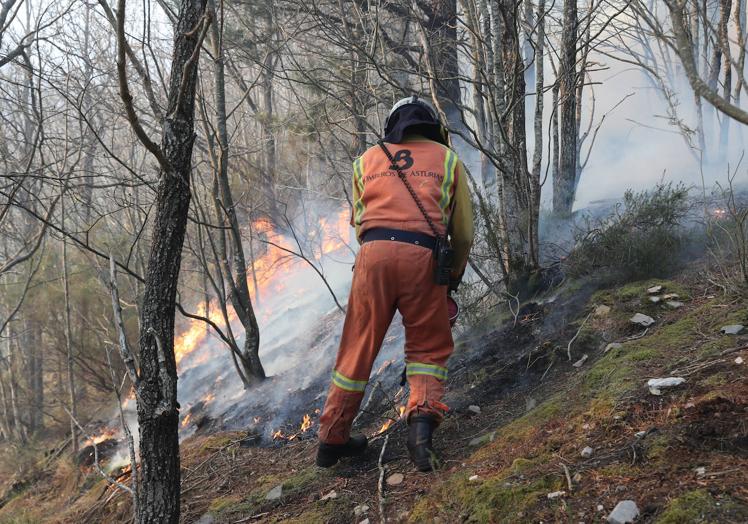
680, 456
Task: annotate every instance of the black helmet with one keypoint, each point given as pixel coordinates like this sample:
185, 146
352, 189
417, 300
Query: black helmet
416, 115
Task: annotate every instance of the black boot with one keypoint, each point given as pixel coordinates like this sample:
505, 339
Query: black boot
421, 427
329, 454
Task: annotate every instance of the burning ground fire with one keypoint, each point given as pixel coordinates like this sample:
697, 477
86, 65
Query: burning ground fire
266, 279
389, 422
306, 425
106, 434
270, 270
270, 281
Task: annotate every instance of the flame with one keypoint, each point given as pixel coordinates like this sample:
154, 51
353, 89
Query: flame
210, 397
385, 426
186, 420
306, 423
390, 421
106, 434
332, 234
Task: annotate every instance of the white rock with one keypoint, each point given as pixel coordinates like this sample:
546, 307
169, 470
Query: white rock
640, 434
365, 521
483, 439
530, 403
674, 304
330, 496
587, 452
585, 426
612, 345
600, 507
275, 493
581, 361
624, 512
602, 310
395, 479
655, 299
700, 471
656, 384
654, 289
474, 478
670, 296
556, 494
642, 320
732, 329
360, 510
739, 360
474, 410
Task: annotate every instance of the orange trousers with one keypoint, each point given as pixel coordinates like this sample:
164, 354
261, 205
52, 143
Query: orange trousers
390, 276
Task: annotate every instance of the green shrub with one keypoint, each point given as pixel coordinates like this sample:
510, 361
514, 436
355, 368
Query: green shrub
642, 238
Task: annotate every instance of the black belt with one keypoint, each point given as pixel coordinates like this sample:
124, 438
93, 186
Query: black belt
397, 235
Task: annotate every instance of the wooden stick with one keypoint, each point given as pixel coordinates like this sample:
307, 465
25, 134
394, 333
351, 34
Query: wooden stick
568, 477
568, 348
380, 484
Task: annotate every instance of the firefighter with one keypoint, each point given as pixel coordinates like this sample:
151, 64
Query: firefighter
398, 224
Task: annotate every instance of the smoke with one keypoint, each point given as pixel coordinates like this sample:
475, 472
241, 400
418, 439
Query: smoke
645, 134
300, 328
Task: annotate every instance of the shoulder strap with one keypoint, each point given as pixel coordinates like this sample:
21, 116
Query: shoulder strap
412, 192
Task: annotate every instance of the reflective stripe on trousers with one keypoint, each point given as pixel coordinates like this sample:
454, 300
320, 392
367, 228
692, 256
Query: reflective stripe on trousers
390, 276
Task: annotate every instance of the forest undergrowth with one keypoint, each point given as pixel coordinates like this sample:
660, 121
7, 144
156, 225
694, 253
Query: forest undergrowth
519, 457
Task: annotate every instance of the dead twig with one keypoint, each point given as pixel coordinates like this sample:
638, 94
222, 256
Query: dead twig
550, 365
368, 401
733, 350
380, 484
128, 436
253, 517
637, 337
124, 347
568, 348
101, 471
568, 477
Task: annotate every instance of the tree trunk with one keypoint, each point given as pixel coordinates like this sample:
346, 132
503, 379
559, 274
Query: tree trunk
740, 26
68, 341
226, 209
722, 34
268, 136
158, 410
442, 25
516, 191
563, 184
34, 376
479, 72
537, 157
5, 421
19, 427
529, 23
